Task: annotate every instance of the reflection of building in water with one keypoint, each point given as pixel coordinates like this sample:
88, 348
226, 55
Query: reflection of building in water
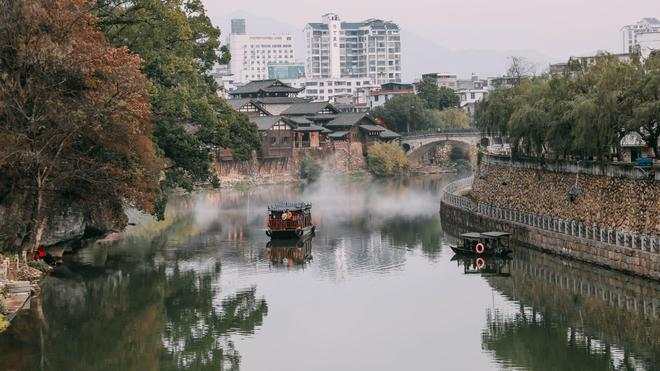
289, 253
623, 312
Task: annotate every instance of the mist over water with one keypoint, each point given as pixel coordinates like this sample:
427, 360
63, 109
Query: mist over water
376, 288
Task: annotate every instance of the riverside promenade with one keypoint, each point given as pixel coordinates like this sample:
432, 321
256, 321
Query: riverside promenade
628, 252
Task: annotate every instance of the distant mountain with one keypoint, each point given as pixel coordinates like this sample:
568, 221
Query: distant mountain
420, 55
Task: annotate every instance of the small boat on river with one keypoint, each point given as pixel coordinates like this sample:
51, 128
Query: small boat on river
486, 243
290, 220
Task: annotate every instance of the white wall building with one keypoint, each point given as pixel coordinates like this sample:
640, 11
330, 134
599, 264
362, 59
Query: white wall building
251, 55
447, 80
326, 89
648, 42
470, 98
379, 97
369, 49
630, 33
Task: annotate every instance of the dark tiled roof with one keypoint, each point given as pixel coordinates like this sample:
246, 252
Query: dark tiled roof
268, 86
347, 119
309, 108
372, 127
337, 134
299, 120
388, 134
265, 122
308, 128
280, 100
237, 103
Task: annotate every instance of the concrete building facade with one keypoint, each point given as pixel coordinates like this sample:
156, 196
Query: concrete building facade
630, 34
252, 54
368, 49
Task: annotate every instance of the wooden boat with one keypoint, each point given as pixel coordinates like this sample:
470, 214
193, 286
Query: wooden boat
487, 243
290, 220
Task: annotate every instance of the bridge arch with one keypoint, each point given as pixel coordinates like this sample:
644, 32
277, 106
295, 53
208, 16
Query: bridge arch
430, 152
418, 145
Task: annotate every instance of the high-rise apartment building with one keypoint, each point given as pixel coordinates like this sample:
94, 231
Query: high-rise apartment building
368, 49
252, 54
630, 34
238, 26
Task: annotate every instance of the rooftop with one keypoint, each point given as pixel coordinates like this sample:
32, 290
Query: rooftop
289, 206
337, 134
309, 108
348, 119
378, 24
265, 86
388, 134
265, 122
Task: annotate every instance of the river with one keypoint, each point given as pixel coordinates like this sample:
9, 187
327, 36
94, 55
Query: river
375, 289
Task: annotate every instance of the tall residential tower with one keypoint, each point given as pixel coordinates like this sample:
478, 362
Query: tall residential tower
635, 35
368, 49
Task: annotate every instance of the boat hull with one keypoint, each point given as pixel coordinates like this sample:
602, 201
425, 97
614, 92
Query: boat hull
291, 233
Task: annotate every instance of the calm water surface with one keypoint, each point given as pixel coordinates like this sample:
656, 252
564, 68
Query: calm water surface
375, 289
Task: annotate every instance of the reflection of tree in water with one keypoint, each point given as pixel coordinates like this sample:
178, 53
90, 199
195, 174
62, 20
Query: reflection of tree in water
535, 342
140, 317
197, 333
424, 231
574, 316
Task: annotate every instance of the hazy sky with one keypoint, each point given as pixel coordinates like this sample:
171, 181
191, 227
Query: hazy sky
557, 28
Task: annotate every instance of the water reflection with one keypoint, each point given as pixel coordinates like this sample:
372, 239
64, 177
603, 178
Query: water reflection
289, 252
484, 265
597, 317
376, 288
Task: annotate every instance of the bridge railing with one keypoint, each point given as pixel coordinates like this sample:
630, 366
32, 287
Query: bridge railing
611, 169
434, 133
603, 235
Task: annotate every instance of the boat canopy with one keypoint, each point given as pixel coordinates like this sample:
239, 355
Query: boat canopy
289, 206
495, 234
472, 235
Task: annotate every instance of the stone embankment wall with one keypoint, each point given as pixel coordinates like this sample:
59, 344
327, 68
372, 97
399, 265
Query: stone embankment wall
343, 157
617, 203
607, 248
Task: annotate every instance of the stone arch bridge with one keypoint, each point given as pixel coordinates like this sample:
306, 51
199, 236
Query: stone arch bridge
419, 146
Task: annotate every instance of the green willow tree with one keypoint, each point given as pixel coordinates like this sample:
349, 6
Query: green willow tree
180, 46
582, 114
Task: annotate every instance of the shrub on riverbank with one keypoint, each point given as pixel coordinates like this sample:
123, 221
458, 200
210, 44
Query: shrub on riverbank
386, 160
310, 169
3, 323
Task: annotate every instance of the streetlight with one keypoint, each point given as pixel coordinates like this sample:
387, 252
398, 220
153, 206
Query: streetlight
412, 108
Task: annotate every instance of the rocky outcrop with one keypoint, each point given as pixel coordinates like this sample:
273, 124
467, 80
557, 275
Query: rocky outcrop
73, 222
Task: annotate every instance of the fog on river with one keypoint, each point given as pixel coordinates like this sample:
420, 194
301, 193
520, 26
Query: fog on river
376, 288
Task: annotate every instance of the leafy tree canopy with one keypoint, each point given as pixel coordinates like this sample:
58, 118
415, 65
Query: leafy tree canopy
437, 97
180, 46
75, 124
582, 114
